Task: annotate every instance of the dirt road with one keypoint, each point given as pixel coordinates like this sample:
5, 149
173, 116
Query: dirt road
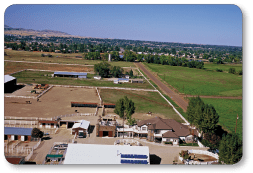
173, 95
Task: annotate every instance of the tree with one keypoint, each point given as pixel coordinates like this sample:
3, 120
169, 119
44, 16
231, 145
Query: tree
230, 149
211, 119
103, 69
124, 107
131, 73
36, 133
116, 71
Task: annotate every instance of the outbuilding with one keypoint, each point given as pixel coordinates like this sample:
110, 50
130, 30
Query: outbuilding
48, 124
81, 129
71, 74
15, 133
9, 83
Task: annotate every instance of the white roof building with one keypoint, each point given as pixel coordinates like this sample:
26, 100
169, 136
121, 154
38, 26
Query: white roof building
8, 78
106, 154
82, 124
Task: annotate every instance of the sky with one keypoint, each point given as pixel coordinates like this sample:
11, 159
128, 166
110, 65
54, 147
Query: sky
201, 24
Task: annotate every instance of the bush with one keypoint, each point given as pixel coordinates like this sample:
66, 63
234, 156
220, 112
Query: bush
231, 70
240, 72
184, 154
219, 70
167, 142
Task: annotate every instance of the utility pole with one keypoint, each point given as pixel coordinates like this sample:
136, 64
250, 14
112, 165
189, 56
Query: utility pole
236, 122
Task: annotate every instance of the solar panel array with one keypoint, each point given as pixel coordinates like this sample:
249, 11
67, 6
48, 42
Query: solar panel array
134, 161
137, 159
135, 156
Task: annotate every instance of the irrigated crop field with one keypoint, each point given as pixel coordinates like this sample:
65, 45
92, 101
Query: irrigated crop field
198, 81
144, 102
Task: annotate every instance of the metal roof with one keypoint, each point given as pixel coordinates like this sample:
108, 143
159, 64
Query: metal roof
82, 124
103, 154
17, 131
8, 78
70, 73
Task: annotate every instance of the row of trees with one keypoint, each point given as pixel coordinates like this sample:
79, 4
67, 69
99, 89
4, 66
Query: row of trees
205, 118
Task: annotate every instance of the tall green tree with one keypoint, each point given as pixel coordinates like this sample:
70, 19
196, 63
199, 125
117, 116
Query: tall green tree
103, 69
124, 107
230, 149
36, 133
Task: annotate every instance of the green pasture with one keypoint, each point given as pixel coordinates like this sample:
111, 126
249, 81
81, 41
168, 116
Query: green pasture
198, 81
144, 102
223, 67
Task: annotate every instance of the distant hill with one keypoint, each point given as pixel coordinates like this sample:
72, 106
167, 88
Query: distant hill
41, 33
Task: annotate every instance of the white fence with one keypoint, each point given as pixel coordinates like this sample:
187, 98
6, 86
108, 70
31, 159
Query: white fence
23, 97
26, 118
200, 144
72, 115
165, 99
45, 91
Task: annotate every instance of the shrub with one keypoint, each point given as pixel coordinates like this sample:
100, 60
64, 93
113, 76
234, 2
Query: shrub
167, 142
184, 154
219, 70
231, 70
240, 72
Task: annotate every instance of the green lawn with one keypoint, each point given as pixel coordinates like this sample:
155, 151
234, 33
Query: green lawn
144, 102
41, 77
224, 67
198, 81
57, 58
228, 110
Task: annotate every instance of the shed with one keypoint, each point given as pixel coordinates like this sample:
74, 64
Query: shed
15, 133
81, 129
70, 74
9, 83
106, 154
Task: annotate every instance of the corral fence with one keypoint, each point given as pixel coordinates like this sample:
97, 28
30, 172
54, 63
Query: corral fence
216, 156
26, 118
73, 115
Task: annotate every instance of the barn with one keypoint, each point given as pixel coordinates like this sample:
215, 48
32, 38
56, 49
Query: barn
71, 74
15, 133
106, 154
48, 124
9, 83
81, 129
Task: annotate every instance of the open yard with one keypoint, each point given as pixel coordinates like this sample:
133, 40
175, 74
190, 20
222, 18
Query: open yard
57, 58
198, 81
55, 102
144, 102
228, 110
41, 77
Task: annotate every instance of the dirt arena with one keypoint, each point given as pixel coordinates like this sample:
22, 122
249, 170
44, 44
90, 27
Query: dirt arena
56, 101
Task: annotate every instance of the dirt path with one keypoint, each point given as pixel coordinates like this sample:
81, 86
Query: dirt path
173, 95
215, 97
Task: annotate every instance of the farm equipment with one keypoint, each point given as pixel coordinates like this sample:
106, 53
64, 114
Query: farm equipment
41, 86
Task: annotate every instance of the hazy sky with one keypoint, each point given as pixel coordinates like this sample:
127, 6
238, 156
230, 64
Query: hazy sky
202, 24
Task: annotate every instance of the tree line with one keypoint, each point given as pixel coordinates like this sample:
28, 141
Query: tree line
205, 118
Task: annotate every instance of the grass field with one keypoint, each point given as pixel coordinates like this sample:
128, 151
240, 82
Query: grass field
224, 67
144, 102
42, 77
228, 110
57, 58
198, 81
